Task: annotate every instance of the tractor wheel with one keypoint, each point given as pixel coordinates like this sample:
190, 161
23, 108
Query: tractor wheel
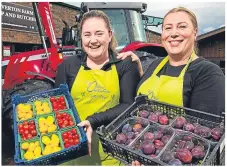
27, 87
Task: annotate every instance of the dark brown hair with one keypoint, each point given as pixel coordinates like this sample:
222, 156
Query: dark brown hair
101, 15
192, 17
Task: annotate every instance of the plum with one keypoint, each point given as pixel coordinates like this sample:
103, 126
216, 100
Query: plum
167, 156
158, 135
126, 128
130, 135
203, 131
121, 138
144, 113
153, 117
179, 122
137, 127
181, 144
189, 145
148, 147
189, 127
148, 136
163, 119
216, 133
158, 144
184, 155
166, 138
198, 153
175, 162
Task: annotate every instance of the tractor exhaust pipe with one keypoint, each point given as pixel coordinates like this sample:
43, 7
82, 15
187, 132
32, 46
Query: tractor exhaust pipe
41, 32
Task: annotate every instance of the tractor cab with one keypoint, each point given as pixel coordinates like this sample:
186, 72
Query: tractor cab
126, 18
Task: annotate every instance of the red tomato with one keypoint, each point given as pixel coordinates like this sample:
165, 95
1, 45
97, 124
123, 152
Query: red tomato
60, 121
77, 136
29, 136
33, 132
20, 126
67, 145
32, 127
66, 140
71, 123
25, 123
52, 99
71, 141
58, 116
76, 141
21, 131
63, 103
24, 138
66, 122
61, 98
26, 127
64, 114
73, 131
59, 106
65, 135
63, 126
26, 132
32, 123
55, 104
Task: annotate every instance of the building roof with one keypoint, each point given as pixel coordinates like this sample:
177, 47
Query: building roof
66, 5
211, 33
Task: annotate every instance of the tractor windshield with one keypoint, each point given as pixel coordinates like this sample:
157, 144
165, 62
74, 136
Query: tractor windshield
119, 25
127, 26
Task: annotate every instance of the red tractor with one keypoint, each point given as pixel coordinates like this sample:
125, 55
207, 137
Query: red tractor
35, 71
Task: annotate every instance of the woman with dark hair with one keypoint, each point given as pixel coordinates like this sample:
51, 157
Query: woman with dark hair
98, 83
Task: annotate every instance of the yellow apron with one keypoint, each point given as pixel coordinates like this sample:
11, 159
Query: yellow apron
165, 88
95, 91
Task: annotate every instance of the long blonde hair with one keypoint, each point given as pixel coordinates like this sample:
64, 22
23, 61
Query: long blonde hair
102, 15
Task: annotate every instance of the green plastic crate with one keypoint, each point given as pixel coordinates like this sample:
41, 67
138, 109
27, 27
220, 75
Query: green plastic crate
43, 100
33, 113
68, 129
66, 102
45, 116
19, 136
69, 111
22, 152
50, 135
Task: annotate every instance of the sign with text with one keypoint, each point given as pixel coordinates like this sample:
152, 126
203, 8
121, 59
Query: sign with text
18, 17
6, 51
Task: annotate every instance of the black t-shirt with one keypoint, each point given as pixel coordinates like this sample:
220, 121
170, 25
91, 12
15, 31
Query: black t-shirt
128, 75
203, 87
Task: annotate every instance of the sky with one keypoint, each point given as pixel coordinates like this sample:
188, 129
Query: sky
210, 15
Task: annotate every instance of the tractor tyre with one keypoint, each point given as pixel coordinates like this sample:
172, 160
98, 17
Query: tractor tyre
27, 87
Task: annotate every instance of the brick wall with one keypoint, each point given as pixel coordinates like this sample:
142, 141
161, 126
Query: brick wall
153, 37
58, 13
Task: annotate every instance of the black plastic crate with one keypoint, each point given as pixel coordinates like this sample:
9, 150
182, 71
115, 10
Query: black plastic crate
120, 152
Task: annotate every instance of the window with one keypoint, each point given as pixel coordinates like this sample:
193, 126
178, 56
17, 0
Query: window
118, 22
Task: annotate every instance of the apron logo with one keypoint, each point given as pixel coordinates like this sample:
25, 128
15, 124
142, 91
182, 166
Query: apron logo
151, 95
95, 87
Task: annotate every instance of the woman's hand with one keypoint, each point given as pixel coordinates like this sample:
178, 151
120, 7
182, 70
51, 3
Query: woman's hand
134, 57
89, 131
136, 163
